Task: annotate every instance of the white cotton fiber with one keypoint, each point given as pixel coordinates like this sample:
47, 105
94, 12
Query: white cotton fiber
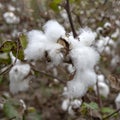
101, 78
54, 53
117, 101
86, 36
65, 104
53, 30
103, 89
75, 89
18, 80
36, 36
34, 51
84, 57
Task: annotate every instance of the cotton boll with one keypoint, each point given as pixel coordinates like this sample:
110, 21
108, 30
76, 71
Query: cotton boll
103, 89
107, 24
107, 50
100, 78
16, 87
115, 60
65, 104
11, 18
71, 111
75, 89
76, 103
53, 30
18, 72
86, 36
70, 68
34, 51
17, 76
117, 101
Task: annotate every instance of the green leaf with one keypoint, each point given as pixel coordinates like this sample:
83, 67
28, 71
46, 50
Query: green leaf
10, 110
5, 58
23, 40
7, 46
91, 105
107, 110
54, 5
35, 116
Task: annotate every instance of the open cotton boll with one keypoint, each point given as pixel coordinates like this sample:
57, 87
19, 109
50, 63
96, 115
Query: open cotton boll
65, 104
103, 89
53, 30
117, 101
84, 57
54, 53
16, 87
87, 37
100, 78
34, 51
17, 76
36, 36
75, 89
76, 103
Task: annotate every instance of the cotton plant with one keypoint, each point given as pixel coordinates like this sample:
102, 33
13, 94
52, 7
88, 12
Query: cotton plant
55, 47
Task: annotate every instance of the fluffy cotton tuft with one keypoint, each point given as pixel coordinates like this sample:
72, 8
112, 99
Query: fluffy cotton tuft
87, 37
18, 80
84, 57
36, 36
53, 30
75, 89
34, 51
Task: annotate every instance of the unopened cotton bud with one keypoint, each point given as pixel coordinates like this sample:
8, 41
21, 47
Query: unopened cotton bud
117, 101
65, 104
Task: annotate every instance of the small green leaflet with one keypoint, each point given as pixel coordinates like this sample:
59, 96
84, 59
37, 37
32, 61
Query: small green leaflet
7, 46
23, 40
10, 111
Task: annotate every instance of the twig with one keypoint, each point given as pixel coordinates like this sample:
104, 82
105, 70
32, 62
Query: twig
16, 57
111, 114
6, 70
44, 73
98, 94
67, 8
